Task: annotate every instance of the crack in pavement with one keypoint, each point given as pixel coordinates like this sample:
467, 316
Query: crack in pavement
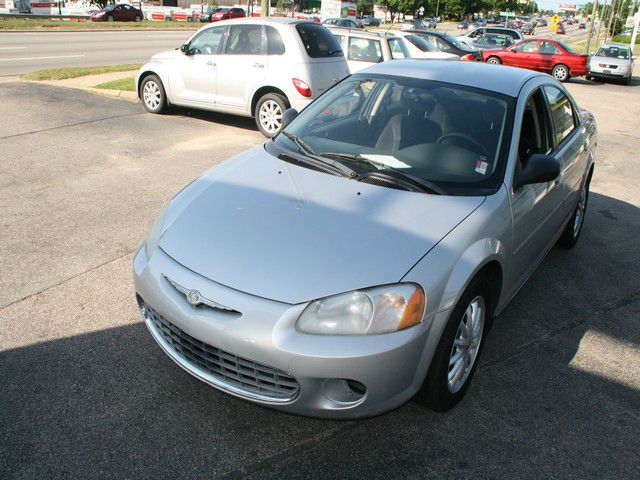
86, 122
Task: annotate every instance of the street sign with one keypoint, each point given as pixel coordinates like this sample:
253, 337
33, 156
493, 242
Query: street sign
507, 14
553, 26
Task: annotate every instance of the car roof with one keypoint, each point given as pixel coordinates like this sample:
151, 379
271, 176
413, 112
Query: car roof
496, 78
357, 31
614, 44
260, 20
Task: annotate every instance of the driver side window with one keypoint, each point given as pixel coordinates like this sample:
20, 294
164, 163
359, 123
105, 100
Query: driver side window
535, 132
208, 42
526, 47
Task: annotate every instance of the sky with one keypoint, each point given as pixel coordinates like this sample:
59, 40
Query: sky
554, 4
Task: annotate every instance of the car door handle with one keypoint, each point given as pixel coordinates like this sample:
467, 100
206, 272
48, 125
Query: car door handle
258, 65
211, 64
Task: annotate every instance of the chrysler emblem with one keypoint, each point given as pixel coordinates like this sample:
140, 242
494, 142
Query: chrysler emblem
193, 297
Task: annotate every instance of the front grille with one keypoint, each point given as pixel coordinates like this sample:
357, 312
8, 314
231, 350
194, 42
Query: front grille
611, 67
241, 373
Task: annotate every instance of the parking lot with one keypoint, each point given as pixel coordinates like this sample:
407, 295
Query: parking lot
86, 393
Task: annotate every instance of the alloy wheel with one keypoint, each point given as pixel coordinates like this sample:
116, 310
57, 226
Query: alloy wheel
580, 211
560, 73
466, 344
151, 95
270, 116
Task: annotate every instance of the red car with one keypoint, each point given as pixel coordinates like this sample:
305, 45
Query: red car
118, 13
560, 30
543, 55
226, 13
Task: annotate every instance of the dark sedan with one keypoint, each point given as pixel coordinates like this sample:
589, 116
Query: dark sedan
446, 43
118, 13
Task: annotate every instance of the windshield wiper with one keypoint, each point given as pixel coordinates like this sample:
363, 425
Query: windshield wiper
424, 185
305, 148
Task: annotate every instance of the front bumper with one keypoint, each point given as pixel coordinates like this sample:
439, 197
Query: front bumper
391, 367
616, 73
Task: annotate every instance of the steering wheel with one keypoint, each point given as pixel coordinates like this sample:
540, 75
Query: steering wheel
466, 138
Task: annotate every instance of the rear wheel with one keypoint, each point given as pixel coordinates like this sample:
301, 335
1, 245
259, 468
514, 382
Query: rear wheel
153, 95
110, 18
138, 18
494, 60
456, 356
268, 114
588, 77
571, 233
560, 72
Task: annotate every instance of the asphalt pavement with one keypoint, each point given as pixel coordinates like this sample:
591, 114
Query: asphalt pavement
22, 52
86, 393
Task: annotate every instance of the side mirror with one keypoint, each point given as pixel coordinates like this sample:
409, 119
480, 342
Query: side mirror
537, 169
186, 49
288, 116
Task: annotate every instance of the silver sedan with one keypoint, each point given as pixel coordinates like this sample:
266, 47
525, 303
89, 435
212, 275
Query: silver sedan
357, 259
612, 61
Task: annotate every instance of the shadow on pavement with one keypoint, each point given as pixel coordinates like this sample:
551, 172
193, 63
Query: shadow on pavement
553, 397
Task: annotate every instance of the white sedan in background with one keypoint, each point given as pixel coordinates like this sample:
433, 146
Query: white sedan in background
420, 48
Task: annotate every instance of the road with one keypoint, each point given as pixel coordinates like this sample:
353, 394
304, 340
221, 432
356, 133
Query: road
22, 52
85, 392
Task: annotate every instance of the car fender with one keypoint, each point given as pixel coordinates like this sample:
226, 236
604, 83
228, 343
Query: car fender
159, 69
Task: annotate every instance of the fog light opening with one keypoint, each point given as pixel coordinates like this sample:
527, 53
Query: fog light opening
343, 391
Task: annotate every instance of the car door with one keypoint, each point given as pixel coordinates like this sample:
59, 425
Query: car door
242, 67
523, 54
547, 56
536, 208
570, 143
193, 80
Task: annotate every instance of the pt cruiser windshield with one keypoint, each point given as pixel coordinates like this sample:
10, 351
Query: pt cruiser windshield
441, 138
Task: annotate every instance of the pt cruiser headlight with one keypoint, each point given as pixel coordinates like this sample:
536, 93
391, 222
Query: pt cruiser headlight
154, 235
364, 312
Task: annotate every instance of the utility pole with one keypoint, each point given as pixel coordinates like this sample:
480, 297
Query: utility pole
613, 11
634, 35
265, 8
594, 10
600, 21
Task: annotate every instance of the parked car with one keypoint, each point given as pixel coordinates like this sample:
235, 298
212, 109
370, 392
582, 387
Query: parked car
249, 67
413, 25
370, 22
363, 49
421, 48
463, 25
227, 13
492, 40
118, 13
528, 29
541, 22
612, 61
544, 55
470, 37
359, 257
340, 22
582, 26
223, 13
430, 22
448, 44
560, 30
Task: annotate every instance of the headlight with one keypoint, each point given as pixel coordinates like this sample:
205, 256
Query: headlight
364, 312
154, 235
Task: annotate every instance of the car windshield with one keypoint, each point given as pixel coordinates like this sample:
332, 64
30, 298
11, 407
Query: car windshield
454, 41
613, 52
450, 136
108, 8
420, 43
493, 39
222, 10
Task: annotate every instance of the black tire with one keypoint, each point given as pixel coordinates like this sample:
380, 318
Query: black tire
153, 95
110, 18
627, 80
436, 392
138, 19
588, 77
268, 113
571, 232
561, 72
494, 60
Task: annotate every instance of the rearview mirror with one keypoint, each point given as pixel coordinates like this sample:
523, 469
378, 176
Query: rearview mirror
537, 169
288, 116
186, 49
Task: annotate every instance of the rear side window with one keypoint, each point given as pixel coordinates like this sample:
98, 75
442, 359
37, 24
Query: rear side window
398, 48
548, 48
275, 45
365, 50
318, 41
245, 40
561, 113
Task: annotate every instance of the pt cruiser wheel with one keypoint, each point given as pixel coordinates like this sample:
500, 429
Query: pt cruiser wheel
269, 112
153, 95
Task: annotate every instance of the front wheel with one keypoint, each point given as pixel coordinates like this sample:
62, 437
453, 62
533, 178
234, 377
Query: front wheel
560, 72
138, 18
456, 356
153, 95
110, 18
268, 114
494, 60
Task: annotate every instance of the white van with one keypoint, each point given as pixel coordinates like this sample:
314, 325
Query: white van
249, 67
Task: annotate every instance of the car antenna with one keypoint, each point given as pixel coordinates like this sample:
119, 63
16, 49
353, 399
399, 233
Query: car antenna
392, 24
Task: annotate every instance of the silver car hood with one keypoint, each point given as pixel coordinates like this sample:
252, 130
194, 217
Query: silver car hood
610, 60
284, 232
